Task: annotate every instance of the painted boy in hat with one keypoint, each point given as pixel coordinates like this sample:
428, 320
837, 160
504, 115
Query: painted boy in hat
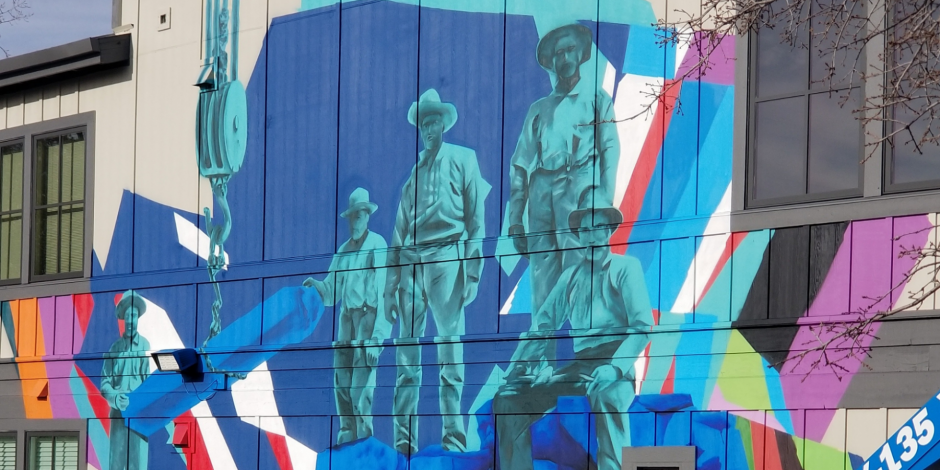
441, 216
605, 296
567, 153
354, 280
126, 366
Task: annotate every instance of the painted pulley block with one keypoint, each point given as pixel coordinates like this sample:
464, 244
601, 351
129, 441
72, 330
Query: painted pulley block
223, 133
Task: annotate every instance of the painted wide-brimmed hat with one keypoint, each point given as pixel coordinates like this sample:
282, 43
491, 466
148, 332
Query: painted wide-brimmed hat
130, 299
430, 103
359, 199
613, 214
546, 47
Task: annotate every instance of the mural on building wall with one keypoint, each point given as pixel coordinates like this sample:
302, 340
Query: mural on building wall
584, 290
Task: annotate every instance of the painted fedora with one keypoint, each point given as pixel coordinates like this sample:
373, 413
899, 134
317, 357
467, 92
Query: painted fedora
545, 49
359, 199
430, 103
130, 299
612, 213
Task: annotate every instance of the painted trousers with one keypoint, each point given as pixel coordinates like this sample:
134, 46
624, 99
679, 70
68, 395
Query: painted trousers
354, 377
553, 195
439, 286
128, 449
518, 406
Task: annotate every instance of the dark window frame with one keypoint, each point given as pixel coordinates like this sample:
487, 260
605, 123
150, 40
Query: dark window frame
27, 455
27, 134
21, 210
23, 428
35, 206
750, 196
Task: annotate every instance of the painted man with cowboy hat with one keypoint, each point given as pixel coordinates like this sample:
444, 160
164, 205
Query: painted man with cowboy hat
438, 231
604, 296
126, 366
355, 279
567, 152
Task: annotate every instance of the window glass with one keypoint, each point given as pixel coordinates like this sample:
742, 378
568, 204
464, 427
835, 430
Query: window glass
11, 211
59, 214
53, 452
835, 140
8, 452
779, 165
781, 67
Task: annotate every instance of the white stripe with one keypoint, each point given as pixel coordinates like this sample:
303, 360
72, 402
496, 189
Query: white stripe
219, 453
706, 258
632, 97
194, 239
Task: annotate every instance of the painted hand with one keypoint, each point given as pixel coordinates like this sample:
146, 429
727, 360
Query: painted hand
603, 376
517, 232
470, 291
122, 401
372, 356
544, 376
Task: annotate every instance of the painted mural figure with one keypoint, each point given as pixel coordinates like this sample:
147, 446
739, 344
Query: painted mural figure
126, 366
602, 294
441, 212
566, 158
355, 283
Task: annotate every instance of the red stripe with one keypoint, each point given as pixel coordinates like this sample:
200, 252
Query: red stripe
732, 244
645, 166
198, 458
98, 404
279, 446
669, 385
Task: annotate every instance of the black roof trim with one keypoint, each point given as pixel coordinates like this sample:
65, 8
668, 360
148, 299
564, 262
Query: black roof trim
79, 57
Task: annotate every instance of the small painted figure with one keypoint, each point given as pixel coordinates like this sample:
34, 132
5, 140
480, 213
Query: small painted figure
438, 235
355, 278
566, 158
604, 295
126, 366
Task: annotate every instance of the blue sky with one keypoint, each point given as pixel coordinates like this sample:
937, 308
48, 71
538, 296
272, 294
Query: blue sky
56, 22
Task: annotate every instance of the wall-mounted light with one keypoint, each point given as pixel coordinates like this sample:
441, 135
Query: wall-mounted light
185, 361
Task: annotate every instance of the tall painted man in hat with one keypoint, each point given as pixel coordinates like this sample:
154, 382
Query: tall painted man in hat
355, 279
567, 155
126, 366
439, 229
604, 295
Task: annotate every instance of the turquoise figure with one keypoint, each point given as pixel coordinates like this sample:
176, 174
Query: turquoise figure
355, 279
566, 158
126, 366
604, 297
438, 236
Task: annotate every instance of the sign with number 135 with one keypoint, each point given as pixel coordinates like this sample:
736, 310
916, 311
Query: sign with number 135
907, 447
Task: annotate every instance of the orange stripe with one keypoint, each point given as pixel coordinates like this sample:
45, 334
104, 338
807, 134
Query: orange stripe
26, 332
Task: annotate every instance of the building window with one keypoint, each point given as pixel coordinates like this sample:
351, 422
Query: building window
11, 211
805, 141
53, 451
7, 451
59, 205
912, 161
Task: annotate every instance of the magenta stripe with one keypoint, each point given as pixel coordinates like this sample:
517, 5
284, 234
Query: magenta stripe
862, 268
61, 395
47, 318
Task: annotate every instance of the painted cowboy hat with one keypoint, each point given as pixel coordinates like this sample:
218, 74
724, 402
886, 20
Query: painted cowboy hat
612, 213
430, 103
545, 49
359, 199
130, 299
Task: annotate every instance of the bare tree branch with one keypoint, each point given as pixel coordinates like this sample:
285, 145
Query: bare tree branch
12, 11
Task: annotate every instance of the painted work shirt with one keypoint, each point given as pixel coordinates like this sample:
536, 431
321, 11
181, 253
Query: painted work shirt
601, 305
125, 368
442, 201
559, 134
351, 280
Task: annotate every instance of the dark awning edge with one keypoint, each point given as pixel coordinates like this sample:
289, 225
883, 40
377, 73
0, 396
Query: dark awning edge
56, 63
